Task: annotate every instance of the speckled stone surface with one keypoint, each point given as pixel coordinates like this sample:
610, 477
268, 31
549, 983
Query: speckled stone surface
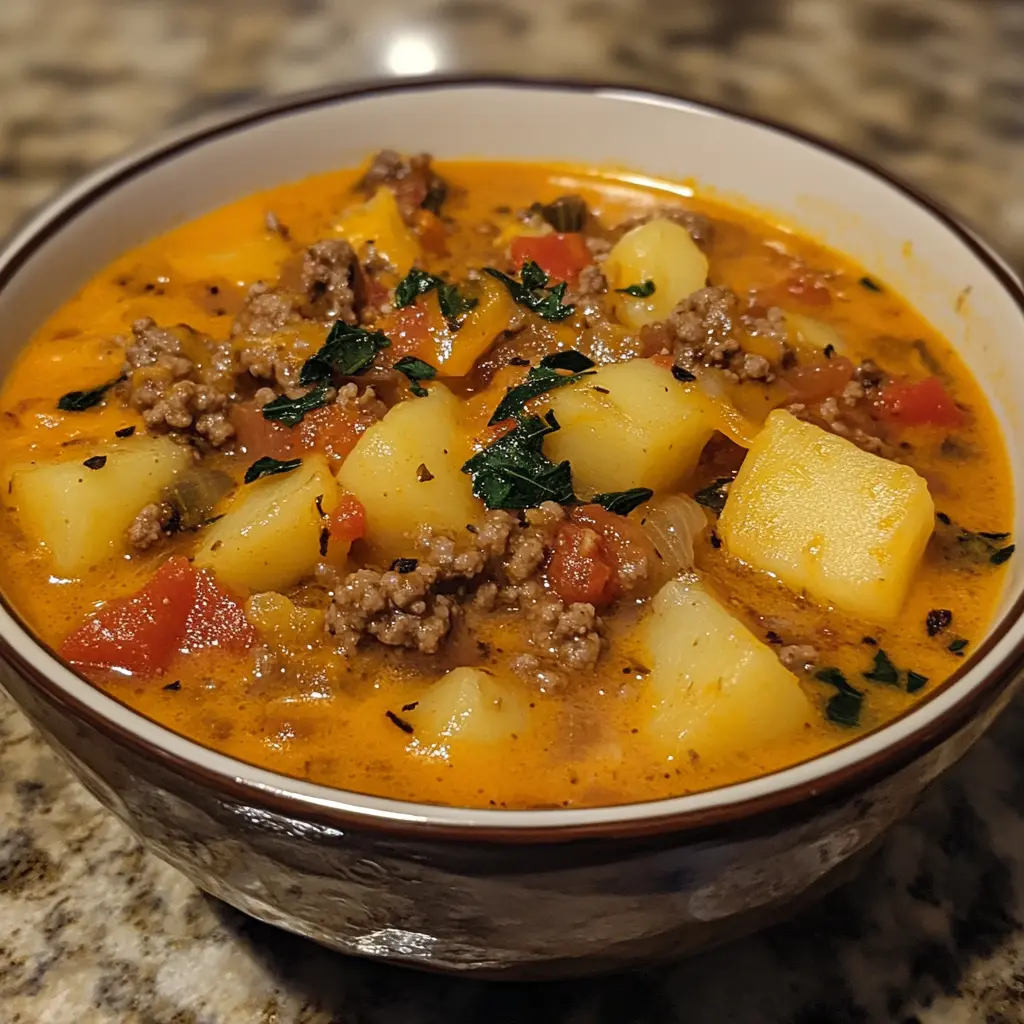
92, 929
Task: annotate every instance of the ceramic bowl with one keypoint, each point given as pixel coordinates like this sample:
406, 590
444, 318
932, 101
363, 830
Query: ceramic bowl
523, 893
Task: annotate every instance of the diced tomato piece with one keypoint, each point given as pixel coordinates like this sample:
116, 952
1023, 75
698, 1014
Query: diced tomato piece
561, 257
216, 618
665, 360
412, 330
920, 403
260, 436
138, 634
820, 379
433, 234
347, 521
180, 608
580, 568
625, 543
493, 432
333, 430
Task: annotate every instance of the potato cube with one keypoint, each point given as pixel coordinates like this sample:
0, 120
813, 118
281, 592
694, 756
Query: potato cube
82, 514
660, 251
407, 472
270, 536
467, 707
846, 526
631, 424
716, 688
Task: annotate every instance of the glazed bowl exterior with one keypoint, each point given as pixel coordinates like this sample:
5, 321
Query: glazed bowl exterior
521, 893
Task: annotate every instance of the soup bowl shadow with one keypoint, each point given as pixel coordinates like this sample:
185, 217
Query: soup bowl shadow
520, 894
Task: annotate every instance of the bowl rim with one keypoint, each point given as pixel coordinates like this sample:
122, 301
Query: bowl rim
704, 813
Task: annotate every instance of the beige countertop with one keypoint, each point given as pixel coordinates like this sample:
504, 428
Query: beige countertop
93, 929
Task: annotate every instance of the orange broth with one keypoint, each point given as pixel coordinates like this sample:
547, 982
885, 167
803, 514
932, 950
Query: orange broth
322, 717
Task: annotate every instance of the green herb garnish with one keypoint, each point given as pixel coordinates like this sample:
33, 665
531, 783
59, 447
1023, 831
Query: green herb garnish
454, 305
872, 286
540, 380
623, 502
844, 708
972, 547
290, 411
1002, 554
713, 496
532, 292
514, 472
347, 351
569, 359
270, 467
416, 370
638, 291
957, 645
566, 214
683, 375
79, 401
915, 682
417, 282
883, 670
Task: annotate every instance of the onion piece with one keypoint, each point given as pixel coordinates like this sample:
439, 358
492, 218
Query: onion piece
815, 334
672, 525
195, 495
739, 428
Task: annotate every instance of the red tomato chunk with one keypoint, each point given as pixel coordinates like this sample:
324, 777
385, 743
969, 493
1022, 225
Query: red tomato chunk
180, 609
920, 403
580, 568
348, 520
561, 257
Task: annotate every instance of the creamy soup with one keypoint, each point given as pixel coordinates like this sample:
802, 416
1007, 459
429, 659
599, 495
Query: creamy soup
494, 484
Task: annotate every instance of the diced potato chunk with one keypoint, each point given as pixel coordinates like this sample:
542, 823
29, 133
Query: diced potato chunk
846, 526
661, 251
407, 472
282, 623
82, 515
270, 536
643, 428
379, 221
716, 688
467, 707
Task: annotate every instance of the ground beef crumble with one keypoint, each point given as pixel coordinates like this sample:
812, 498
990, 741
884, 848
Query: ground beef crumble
325, 292
702, 331
412, 179
150, 525
699, 226
170, 390
798, 657
499, 566
590, 283
328, 278
849, 414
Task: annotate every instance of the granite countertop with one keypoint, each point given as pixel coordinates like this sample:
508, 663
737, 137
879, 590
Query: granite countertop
93, 929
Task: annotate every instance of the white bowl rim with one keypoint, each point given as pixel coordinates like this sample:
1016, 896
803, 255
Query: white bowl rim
796, 790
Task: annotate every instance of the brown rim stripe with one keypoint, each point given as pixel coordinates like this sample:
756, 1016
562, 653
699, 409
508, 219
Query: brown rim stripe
757, 814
